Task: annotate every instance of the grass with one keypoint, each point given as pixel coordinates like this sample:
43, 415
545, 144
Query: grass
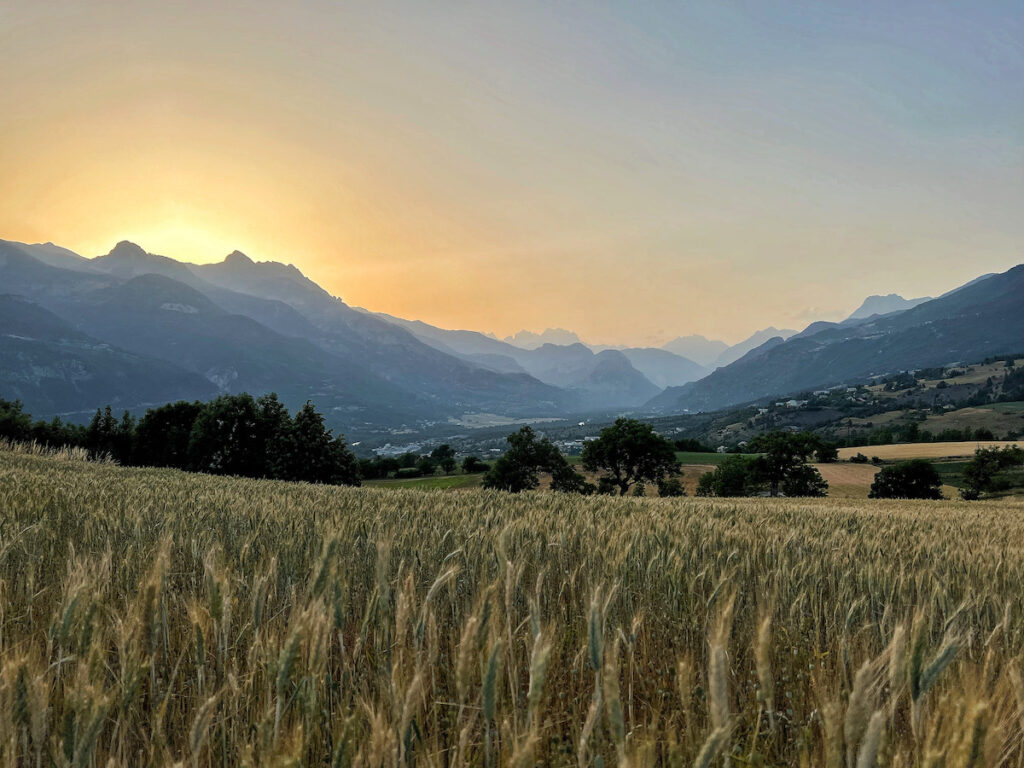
151, 618
1014, 407
435, 482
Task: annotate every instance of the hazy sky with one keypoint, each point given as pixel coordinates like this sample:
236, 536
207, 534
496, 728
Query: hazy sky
633, 171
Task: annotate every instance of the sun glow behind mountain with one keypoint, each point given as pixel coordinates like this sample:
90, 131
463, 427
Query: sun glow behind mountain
631, 174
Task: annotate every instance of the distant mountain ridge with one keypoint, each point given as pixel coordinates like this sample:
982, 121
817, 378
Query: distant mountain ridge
557, 336
140, 326
361, 371
701, 350
884, 305
982, 318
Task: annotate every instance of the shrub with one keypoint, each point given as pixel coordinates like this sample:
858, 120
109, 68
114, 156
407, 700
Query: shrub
804, 480
671, 486
916, 479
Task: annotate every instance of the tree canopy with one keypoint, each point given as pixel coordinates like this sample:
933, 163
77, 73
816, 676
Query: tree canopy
628, 452
232, 434
915, 479
518, 469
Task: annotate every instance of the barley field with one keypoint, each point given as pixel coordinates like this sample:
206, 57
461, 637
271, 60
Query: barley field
155, 618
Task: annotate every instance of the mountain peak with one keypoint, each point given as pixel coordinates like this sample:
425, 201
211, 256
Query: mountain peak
128, 250
558, 336
884, 305
238, 258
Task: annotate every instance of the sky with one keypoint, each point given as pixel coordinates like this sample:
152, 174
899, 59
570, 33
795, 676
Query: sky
631, 171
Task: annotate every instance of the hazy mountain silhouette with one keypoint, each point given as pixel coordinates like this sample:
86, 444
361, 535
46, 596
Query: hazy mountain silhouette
286, 335
755, 340
697, 348
980, 319
558, 336
884, 305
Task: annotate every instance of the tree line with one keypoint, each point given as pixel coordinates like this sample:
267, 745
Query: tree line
629, 455
230, 435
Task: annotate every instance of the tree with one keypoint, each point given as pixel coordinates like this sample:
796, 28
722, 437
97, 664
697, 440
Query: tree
915, 479
275, 432
15, 424
827, 453
735, 476
982, 473
628, 452
101, 436
225, 438
670, 486
782, 453
804, 480
426, 465
444, 455
162, 435
518, 468
472, 465
122, 446
565, 479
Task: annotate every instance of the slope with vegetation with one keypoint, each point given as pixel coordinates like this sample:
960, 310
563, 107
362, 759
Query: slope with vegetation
979, 320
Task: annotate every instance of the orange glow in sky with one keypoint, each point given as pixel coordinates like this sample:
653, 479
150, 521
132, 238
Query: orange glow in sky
631, 175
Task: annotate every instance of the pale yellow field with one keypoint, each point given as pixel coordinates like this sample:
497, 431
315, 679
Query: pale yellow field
848, 481
853, 481
157, 618
923, 450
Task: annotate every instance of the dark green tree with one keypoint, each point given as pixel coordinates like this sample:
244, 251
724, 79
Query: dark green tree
276, 433
630, 451
317, 456
472, 465
826, 453
101, 436
123, 448
225, 438
983, 473
670, 486
162, 435
565, 479
518, 469
781, 454
735, 476
915, 479
426, 465
15, 424
804, 480
444, 455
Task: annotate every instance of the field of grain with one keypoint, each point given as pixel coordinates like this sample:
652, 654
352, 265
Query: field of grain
902, 451
848, 481
155, 618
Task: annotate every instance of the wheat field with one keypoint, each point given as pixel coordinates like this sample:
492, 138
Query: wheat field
155, 618
901, 451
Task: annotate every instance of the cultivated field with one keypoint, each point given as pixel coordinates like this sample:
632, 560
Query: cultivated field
150, 617
901, 451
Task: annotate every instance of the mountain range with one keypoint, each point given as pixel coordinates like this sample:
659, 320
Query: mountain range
136, 329
980, 319
168, 330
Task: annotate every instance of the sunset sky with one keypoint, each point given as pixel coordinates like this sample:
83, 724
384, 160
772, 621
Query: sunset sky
632, 171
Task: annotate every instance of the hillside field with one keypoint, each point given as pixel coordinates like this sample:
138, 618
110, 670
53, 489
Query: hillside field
902, 451
153, 617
